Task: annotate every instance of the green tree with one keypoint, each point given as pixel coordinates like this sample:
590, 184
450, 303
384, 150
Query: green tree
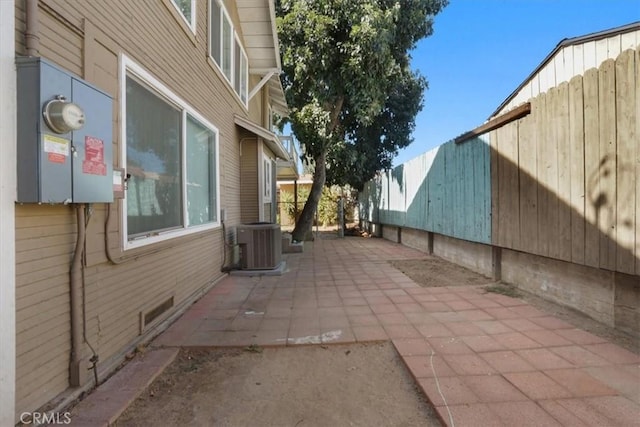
349, 85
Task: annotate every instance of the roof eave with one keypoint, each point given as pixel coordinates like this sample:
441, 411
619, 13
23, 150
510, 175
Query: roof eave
564, 43
270, 138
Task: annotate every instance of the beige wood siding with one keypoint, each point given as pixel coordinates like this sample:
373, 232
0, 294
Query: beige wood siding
249, 180
87, 38
44, 243
20, 26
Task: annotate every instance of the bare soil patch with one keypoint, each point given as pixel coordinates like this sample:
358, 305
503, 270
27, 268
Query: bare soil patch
338, 385
435, 271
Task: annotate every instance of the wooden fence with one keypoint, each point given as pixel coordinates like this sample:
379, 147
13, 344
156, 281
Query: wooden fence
565, 178
446, 190
561, 182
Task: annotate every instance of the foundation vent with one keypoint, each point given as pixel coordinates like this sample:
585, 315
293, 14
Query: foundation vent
147, 318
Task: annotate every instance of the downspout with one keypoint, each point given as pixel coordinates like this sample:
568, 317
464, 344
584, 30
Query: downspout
77, 370
32, 30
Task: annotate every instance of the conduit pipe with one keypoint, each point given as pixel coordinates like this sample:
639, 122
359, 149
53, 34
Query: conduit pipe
32, 30
77, 370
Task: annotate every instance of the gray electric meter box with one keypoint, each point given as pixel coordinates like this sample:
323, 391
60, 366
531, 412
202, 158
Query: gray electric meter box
65, 149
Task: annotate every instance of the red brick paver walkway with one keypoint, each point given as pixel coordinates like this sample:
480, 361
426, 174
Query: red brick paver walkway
482, 359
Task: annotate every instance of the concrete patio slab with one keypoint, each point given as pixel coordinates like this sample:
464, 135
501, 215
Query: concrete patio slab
480, 359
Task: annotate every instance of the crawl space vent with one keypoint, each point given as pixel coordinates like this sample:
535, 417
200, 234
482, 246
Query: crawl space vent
147, 318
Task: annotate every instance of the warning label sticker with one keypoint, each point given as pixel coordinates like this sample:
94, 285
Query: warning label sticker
118, 181
57, 148
93, 162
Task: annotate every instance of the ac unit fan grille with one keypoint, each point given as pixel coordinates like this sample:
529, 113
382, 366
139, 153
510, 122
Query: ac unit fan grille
261, 246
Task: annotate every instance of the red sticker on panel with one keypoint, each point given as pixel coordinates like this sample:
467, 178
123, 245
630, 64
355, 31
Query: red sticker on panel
93, 162
56, 158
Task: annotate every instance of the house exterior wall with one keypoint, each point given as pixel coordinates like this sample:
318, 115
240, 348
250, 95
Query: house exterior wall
7, 212
249, 180
255, 206
268, 201
90, 39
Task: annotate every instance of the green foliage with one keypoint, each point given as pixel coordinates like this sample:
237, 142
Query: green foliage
287, 199
328, 206
348, 81
352, 94
503, 289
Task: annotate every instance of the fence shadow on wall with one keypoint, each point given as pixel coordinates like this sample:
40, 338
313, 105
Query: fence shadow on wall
561, 182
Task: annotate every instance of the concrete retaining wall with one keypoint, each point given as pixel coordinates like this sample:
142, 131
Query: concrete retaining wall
609, 297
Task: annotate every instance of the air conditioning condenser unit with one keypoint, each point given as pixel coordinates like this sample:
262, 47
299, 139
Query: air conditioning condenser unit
260, 246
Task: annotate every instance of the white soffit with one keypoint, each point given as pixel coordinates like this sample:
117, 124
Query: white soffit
259, 33
260, 40
276, 95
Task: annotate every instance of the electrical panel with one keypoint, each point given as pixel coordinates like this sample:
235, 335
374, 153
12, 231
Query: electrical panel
65, 149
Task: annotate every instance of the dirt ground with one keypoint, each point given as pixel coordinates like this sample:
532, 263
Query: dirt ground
337, 385
434, 271
356, 385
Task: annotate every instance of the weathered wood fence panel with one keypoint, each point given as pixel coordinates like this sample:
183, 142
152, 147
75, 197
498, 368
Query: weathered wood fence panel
591, 164
561, 182
636, 158
577, 153
446, 190
509, 219
528, 186
606, 202
626, 117
415, 170
575, 161
561, 124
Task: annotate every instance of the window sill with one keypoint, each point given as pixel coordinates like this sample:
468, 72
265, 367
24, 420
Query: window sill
168, 235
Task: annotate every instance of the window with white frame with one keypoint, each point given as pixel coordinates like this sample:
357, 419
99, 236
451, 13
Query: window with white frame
244, 77
227, 46
241, 71
188, 10
267, 171
171, 155
226, 50
215, 32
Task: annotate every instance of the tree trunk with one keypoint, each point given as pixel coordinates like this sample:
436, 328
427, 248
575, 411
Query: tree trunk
305, 222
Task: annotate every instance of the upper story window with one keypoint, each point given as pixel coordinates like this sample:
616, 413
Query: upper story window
227, 51
188, 10
171, 155
242, 71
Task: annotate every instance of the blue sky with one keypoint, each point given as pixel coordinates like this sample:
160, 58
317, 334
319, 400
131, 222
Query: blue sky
481, 50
